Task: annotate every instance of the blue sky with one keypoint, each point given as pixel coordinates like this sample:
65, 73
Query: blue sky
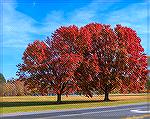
27, 20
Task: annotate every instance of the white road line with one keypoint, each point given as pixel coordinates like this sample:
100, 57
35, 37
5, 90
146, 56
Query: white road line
67, 115
140, 111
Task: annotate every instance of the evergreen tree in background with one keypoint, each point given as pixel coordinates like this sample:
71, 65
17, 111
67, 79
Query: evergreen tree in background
2, 78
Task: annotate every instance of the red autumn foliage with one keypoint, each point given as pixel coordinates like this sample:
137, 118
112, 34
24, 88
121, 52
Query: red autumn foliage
49, 66
120, 58
91, 59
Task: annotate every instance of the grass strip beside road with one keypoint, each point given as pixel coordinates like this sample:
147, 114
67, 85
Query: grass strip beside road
41, 103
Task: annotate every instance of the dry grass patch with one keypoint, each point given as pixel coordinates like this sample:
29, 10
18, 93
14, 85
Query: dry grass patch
40, 103
119, 97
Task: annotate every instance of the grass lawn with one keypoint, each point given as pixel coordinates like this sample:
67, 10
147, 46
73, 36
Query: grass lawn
39, 103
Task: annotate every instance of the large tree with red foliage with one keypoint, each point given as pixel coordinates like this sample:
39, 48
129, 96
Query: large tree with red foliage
118, 60
48, 66
90, 59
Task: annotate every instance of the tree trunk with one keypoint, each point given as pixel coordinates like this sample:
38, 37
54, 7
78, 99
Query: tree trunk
106, 94
58, 98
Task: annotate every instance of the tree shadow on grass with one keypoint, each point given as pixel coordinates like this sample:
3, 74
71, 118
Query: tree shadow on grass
40, 103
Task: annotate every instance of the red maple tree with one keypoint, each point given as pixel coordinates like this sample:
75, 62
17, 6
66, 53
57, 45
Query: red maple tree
118, 57
48, 66
91, 59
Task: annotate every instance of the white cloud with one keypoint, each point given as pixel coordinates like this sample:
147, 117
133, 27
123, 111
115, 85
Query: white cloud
17, 26
20, 29
80, 16
134, 16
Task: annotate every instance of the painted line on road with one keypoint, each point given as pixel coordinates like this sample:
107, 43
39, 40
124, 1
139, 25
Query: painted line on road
140, 111
67, 115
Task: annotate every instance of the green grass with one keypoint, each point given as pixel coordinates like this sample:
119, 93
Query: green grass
31, 103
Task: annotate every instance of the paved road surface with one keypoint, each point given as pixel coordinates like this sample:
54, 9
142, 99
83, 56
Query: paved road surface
141, 111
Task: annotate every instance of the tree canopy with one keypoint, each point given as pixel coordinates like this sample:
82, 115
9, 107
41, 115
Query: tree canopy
92, 59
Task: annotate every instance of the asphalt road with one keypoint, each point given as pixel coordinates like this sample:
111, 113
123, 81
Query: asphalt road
114, 112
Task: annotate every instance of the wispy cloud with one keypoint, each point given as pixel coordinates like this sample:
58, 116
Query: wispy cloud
17, 26
80, 16
134, 16
20, 29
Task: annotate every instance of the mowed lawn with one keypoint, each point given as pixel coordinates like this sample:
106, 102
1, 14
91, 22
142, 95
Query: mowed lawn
14, 104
